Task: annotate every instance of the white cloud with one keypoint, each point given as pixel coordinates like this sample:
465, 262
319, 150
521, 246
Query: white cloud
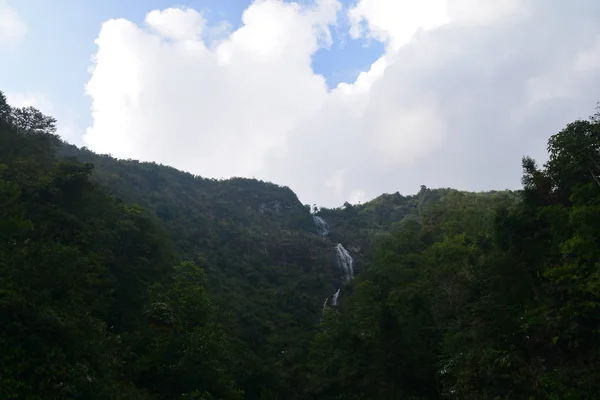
395, 21
464, 89
211, 111
485, 11
177, 24
12, 28
30, 99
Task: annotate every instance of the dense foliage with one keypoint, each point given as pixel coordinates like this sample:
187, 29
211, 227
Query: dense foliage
267, 269
480, 296
128, 280
90, 304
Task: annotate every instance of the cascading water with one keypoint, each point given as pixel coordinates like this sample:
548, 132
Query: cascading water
346, 262
322, 226
336, 296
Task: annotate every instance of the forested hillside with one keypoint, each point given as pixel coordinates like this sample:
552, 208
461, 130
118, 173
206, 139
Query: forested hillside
477, 296
268, 270
129, 280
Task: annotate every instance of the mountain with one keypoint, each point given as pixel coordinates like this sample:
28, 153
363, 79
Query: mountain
124, 279
268, 270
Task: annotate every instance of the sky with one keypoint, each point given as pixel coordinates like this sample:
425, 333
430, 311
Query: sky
341, 100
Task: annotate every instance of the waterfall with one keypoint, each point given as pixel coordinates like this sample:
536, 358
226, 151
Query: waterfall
334, 301
346, 262
322, 226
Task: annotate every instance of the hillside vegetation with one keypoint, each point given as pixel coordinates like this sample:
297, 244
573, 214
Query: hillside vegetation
128, 280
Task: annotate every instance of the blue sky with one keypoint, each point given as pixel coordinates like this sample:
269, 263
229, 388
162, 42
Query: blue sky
54, 56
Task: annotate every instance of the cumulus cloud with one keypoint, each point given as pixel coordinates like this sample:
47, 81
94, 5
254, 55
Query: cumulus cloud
464, 89
176, 24
212, 111
30, 99
12, 27
394, 22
